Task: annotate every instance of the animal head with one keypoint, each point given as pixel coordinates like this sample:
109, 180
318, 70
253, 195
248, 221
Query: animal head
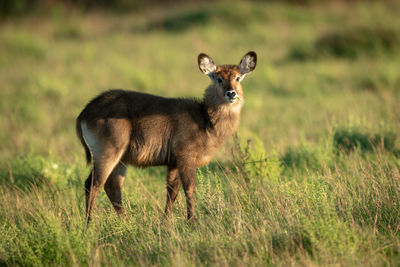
226, 88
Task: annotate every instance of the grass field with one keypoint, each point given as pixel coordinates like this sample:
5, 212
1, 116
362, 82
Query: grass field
312, 177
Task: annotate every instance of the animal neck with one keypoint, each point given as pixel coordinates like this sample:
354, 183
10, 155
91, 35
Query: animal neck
224, 117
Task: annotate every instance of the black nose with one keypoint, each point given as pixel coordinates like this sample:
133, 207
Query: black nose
231, 94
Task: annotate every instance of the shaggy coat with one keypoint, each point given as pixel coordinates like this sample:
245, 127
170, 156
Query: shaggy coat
119, 127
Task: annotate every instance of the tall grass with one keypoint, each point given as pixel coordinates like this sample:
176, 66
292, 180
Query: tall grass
312, 179
338, 213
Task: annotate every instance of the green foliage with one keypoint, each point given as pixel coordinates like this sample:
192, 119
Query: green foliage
251, 158
289, 196
28, 171
380, 81
68, 31
21, 45
306, 157
308, 217
25, 171
349, 43
182, 20
302, 51
24, 7
350, 139
15, 6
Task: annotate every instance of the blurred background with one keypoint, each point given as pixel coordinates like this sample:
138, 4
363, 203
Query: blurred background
323, 65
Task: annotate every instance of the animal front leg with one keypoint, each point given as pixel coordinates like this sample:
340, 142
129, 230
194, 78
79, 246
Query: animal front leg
188, 178
173, 184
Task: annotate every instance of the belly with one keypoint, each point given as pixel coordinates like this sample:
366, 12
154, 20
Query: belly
149, 153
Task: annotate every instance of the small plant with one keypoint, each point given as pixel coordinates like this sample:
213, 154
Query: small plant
251, 158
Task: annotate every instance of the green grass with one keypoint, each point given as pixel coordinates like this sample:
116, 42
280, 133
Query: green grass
349, 43
311, 179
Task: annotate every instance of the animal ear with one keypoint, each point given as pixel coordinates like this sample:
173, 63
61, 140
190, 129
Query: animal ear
206, 64
248, 63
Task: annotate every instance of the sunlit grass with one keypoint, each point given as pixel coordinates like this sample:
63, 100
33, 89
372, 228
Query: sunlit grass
317, 184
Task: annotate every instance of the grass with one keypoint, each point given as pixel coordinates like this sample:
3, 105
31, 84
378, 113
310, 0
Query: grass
347, 140
349, 43
311, 179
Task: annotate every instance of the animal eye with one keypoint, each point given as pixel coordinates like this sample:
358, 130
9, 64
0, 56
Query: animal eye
220, 81
237, 78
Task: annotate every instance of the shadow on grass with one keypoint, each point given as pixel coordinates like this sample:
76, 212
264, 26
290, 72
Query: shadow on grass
301, 158
21, 175
235, 15
345, 140
349, 140
28, 172
182, 21
350, 43
292, 241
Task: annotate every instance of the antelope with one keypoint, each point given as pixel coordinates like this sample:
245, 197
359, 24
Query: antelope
119, 127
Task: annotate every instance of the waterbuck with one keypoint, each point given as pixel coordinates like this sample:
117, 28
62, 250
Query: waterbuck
120, 127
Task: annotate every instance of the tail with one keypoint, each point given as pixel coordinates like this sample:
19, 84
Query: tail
82, 139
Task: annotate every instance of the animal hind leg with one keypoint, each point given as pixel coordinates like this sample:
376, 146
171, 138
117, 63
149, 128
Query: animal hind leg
107, 140
102, 168
113, 187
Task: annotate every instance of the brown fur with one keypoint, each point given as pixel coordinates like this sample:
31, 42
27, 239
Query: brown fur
122, 127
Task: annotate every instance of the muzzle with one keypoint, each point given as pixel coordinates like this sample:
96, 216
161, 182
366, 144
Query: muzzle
231, 95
